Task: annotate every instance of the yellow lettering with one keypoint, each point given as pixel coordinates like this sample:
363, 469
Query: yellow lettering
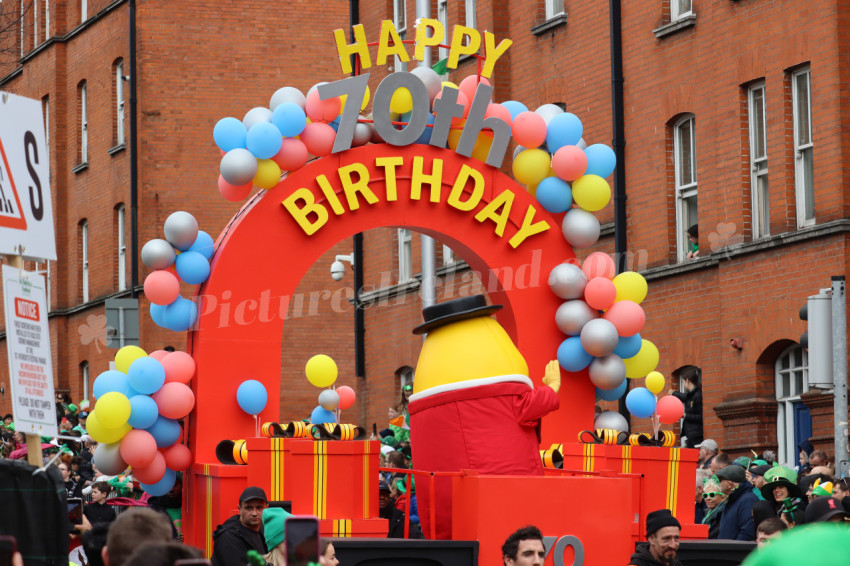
361, 186
467, 172
503, 201
385, 49
458, 48
329, 193
417, 178
359, 47
528, 229
300, 213
492, 53
422, 39
389, 164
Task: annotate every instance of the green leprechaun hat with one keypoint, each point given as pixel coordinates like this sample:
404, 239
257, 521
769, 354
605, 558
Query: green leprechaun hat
780, 476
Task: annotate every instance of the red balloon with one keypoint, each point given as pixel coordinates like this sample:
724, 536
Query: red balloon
178, 457
529, 129
138, 448
174, 401
346, 397
318, 138
179, 366
600, 293
158, 355
469, 85
461, 99
669, 409
153, 472
599, 264
497, 111
321, 110
233, 193
162, 287
292, 155
627, 317
569, 162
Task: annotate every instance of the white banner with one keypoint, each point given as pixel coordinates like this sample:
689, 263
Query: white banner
26, 211
28, 342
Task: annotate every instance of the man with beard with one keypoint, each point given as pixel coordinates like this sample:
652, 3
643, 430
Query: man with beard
662, 541
235, 537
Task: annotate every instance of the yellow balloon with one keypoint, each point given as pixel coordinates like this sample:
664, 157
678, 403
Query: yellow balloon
655, 382
401, 101
643, 362
448, 84
591, 192
454, 134
482, 147
363, 105
113, 409
102, 434
321, 370
268, 174
531, 166
126, 356
630, 286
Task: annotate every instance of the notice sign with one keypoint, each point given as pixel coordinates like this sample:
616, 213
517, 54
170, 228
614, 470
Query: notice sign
28, 341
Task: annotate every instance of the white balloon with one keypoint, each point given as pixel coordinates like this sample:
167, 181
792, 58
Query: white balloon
362, 134
599, 338
571, 316
607, 372
567, 281
580, 228
181, 230
238, 166
256, 115
287, 94
158, 254
329, 399
548, 111
431, 79
611, 420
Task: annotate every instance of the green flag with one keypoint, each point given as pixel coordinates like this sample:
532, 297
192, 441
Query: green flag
440, 68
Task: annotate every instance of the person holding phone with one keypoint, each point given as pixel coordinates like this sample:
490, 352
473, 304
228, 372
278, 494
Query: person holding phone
243, 532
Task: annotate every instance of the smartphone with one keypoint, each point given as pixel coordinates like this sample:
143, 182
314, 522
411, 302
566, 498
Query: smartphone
8, 548
193, 562
302, 541
75, 510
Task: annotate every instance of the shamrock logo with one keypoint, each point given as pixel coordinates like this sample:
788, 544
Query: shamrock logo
94, 330
726, 235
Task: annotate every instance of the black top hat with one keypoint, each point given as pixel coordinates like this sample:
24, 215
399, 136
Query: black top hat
441, 314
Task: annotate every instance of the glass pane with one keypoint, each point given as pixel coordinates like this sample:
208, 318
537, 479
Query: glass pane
684, 6
804, 135
783, 361
557, 7
798, 382
691, 217
798, 357
757, 123
685, 154
786, 385
808, 173
763, 205
401, 14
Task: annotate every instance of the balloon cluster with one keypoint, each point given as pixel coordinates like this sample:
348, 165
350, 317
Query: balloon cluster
322, 372
135, 417
184, 255
642, 402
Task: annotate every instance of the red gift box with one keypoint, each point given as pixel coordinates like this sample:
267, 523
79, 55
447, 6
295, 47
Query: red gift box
215, 489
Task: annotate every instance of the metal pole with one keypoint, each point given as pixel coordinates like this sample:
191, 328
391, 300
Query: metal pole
839, 372
427, 244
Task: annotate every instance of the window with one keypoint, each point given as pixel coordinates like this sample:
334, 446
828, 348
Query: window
400, 22
804, 179
793, 420
405, 255
680, 8
554, 8
84, 258
405, 377
685, 166
84, 378
448, 255
758, 161
122, 248
119, 102
84, 124
35, 23
45, 105
46, 20
443, 17
84, 10
470, 13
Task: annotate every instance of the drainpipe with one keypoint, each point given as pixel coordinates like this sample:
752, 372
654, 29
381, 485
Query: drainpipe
427, 244
359, 315
134, 166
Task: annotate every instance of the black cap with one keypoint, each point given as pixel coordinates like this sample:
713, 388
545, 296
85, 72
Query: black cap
732, 473
760, 470
383, 486
660, 519
253, 492
824, 508
453, 311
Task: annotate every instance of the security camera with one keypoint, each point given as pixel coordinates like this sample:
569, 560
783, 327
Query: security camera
337, 270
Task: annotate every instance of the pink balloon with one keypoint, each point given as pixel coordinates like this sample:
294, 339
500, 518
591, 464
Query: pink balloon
599, 293
627, 317
138, 448
174, 400
461, 99
179, 366
529, 129
497, 111
153, 472
162, 287
599, 264
158, 355
292, 155
346, 397
318, 138
233, 193
321, 110
178, 457
468, 86
569, 162
669, 409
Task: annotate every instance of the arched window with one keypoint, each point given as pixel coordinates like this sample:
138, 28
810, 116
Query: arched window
793, 419
84, 378
685, 166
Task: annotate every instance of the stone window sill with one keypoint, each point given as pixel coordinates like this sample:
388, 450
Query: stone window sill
116, 149
675, 27
551, 23
81, 167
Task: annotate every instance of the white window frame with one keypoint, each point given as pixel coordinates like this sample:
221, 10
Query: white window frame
35, 23
45, 103
122, 250
22, 26
84, 367
678, 12
443, 18
554, 8
448, 255
759, 179
405, 255
802, 147
119, 103
84, 259
46, 20
786, 397
84, 10
400, 23
685, 189
470, 19
84, 123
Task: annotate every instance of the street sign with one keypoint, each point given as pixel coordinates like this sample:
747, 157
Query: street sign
26, 210
28, 342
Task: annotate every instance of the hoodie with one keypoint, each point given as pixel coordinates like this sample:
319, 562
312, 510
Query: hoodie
231, 542
643, 557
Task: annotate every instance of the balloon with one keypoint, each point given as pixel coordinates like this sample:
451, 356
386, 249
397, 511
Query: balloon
643, 362
321, 110
601, 160
158, 254
580, 228
554, 195
655, 382
161, 287
318, 138
143, 411
627, 316
329, 399
572, 356
256, 115
346, 397
252, 396
611, 420
165, 431
430, 78
264, 140
177, 457
158, 355
469, 85
268, 174
600, 293
138, 448
181, 230
111, 380
669, 409
321, 416
180, 315
567, 281
362, 133
153, 472
571, 316
547, 112
229, 133
591, 192
178, 366
569, 162
292, 155
103, 434
515, 108
158, 314
599, 337
321, 370
461, 99
401, 101
562, 130
107, 458
287, 94
613, 394
495, 110
113, 409
163, 486
289, 118
204, 245
192, 267
425, 138
640, 402
238, 166
174, 400
608, 372
630, 286
628, 346
126, 356
599, 264
528, 129
146, 375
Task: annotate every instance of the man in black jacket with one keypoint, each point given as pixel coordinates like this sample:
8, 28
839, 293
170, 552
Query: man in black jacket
662, 541
692, 400
389, 511
243, 532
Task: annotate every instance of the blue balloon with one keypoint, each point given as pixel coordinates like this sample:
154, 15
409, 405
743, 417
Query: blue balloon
640, 402
109, 381
572, 356
425, 138
252, 396
321, 415
193, 267
555, 195
335, 123
143, 411
612, 394
146, 375
204, 245
264, 140
164, 431
229, 133
601, 160
289, 119
180, 315
158, 315
163, 486
563, 129
515, 108
628, 346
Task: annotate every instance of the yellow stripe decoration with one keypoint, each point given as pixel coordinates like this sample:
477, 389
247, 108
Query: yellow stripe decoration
627, 459
587, 462
367, 479
673, 479
209, 528
320, 479
342, 527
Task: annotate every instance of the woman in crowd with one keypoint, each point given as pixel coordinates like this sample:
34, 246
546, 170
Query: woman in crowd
715, 500
782, 498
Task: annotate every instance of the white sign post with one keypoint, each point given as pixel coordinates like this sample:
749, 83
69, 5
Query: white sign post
28, 342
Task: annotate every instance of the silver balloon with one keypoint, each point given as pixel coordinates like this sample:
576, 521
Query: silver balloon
582, 144
238, 166
181, 230
548, 111
599, 337
158, 254
108, 460
567, 281
580, 228
329, 399
431, 79
519, 149
362, 134
255, 116
314, 87
287, 94
572, 316
612, 420
607, 372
